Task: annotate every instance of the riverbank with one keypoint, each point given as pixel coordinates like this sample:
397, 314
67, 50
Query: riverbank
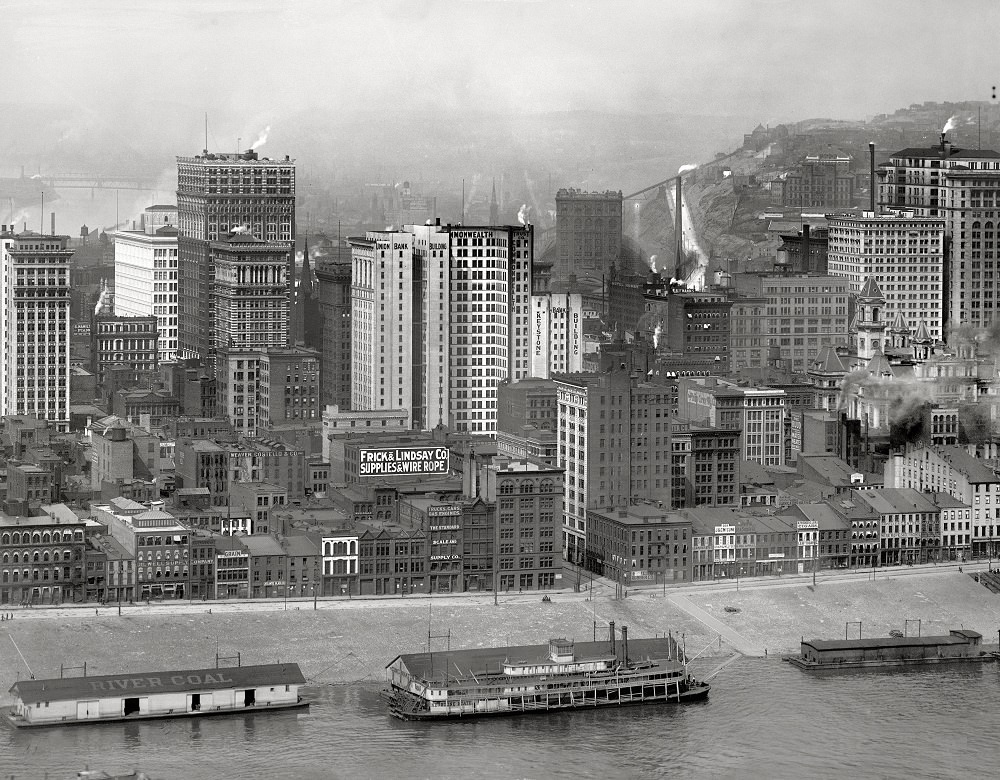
345, 641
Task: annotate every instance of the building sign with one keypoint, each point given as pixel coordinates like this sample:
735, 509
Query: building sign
444, 510
807, 525
725, 529
444, 557
146, 683
403, 460
775, 555
232, 554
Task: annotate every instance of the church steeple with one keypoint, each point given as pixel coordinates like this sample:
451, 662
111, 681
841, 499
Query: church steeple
494, 207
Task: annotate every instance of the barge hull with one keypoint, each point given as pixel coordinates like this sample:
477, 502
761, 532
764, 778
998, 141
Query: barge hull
20, 723
398, 708
888, 663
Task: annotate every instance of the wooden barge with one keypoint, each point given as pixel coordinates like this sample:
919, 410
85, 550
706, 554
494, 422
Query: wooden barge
959, 646
537, 678
146, 695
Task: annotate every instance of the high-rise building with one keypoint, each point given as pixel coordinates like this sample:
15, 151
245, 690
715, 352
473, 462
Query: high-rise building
791, 317
903, 252
588, 231
35, 326
216, 195
619, 443
251, 317
146, 274
962, 187
556, 333
334, 282
440, 316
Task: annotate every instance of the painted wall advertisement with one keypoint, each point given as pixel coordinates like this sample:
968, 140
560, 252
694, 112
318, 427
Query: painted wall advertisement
402, 460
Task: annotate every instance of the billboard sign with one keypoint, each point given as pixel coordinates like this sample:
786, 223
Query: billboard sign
383, 462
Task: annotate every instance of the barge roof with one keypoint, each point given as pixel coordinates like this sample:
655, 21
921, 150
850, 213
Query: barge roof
146, 683
461, 664
958, 637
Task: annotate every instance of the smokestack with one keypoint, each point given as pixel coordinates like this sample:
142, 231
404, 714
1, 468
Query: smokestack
679, 260
611, 625
52, 217
625, 644
871, 186
806, 260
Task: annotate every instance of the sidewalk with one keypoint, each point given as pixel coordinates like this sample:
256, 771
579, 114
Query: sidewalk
731, 638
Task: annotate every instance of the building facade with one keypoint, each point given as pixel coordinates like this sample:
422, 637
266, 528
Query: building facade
35, 326
904, 253
218, 194
146, 274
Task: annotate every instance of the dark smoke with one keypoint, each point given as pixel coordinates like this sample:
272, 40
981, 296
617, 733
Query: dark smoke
974, 424
906, 421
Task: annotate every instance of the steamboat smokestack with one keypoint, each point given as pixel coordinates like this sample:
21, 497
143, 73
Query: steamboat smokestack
625, 644
611, 625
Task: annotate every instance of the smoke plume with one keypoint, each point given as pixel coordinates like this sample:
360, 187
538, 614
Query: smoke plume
262, 138
685, 168
524, 214
950, 124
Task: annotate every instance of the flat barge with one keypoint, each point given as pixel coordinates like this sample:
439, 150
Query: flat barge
959, 646
150, 695
564, 675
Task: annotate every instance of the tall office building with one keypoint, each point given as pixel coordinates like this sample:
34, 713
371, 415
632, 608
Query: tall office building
961, 187
35, 326
794, 316
146, 274
440, 316
904, 253
620, 444
217, 194
333, 279
588, 231
251, 317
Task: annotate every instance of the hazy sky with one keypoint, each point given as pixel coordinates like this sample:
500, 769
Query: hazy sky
772, 60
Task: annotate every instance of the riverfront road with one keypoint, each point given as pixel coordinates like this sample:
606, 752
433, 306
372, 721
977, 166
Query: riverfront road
603, 590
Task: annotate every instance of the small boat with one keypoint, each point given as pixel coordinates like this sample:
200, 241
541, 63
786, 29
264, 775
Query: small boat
147, 695
958, 646
535, 678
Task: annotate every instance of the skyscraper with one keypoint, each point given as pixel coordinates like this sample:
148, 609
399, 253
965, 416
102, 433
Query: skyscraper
251, 317
588, 231
146, 274
35, 326
440, 316
961, 187
216, 194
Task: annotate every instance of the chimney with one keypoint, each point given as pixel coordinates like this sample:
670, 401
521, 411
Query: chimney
806, 260
52, 216
678, 230
625, 644
871, 184
611, 625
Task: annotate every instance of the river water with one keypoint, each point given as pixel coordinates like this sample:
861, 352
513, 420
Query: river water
763, 719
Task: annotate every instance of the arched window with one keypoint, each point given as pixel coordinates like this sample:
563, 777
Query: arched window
45, 557
45, 538
5, 539
17, 558
55, 556
546, 486
16, 538
507, 487
6, 557
36, 537
36, 557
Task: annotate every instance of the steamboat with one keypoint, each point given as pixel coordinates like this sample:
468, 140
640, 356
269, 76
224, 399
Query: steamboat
564, 675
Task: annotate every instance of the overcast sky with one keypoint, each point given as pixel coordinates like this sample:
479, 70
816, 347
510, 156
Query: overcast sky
772, 60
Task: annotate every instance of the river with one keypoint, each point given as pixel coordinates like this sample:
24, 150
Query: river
763, 719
